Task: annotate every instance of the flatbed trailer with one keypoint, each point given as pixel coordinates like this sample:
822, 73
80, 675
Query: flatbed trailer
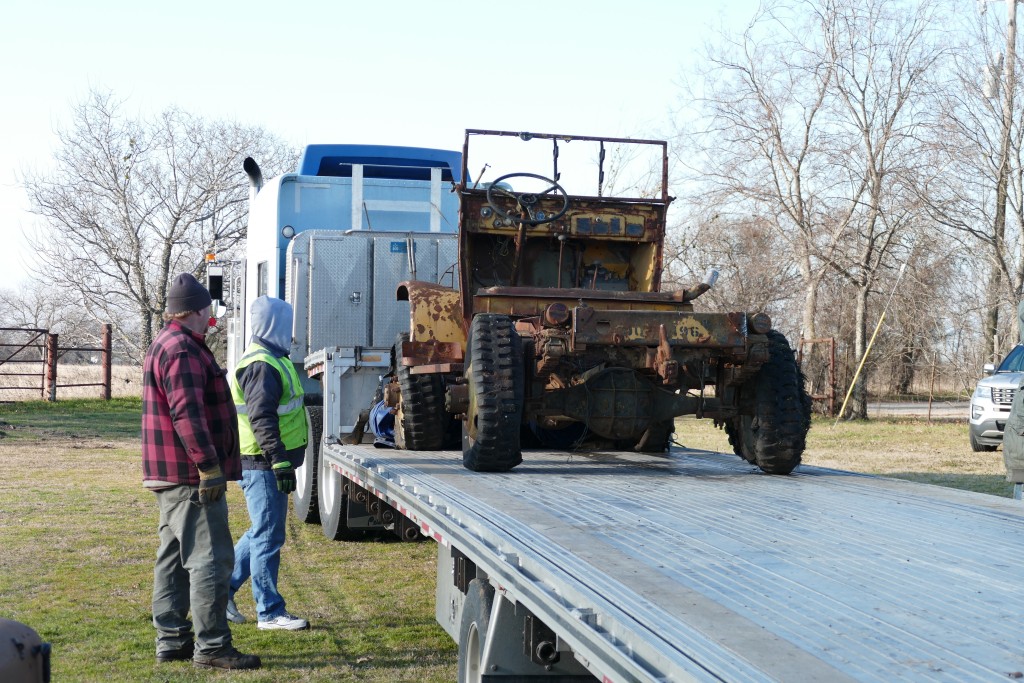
625, 566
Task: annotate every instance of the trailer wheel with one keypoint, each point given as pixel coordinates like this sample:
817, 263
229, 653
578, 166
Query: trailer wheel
421, 420
775, 435
494, 373
333, 505
304, 502
476, 615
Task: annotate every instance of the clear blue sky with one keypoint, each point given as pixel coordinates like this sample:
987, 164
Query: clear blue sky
384, 72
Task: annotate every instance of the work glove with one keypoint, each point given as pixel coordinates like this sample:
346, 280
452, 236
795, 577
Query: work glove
212, 485
285, 475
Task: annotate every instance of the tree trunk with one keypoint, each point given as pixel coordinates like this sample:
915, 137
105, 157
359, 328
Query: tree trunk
905, 370
1003, 172
146, 315
995, 282
807, 327
858, 408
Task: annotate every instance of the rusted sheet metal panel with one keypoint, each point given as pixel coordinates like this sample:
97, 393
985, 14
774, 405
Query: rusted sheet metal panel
589, 295
430, 352
437, 368
642, 328
530, 301
435, 313
523, 306
603, 218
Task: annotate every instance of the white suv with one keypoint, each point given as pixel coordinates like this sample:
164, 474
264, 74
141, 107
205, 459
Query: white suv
992, 399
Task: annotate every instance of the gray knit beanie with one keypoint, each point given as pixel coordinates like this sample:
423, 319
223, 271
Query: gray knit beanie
187, 294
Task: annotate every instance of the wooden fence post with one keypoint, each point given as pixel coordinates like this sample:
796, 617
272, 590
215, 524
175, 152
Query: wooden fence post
51, 367
106, 362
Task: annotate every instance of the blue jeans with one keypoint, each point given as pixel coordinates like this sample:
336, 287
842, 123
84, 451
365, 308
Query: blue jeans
258, 551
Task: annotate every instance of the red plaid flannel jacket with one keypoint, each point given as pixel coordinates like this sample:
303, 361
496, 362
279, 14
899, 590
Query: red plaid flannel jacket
188, 417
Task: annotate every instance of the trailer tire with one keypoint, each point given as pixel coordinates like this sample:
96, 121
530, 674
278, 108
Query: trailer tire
304, 502
476, 615
332, 504
495, 375
421, 421
774, 436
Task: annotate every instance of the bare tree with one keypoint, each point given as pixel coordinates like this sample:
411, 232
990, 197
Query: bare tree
812, 125
763, 151
39, 306
756, 273
978, 199
883, 57
131, 202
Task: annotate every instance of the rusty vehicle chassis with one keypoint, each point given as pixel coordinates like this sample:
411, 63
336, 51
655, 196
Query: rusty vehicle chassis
656, 334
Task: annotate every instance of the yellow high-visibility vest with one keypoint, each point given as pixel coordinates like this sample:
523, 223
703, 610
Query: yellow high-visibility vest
291, 412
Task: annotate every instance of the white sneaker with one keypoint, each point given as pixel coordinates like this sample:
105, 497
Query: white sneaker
234, 616
285, 622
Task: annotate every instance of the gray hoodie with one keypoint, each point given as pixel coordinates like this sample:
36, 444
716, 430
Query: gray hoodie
261, 384
272, 324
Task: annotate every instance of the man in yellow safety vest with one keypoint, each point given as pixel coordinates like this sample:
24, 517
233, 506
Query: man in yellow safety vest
272, 430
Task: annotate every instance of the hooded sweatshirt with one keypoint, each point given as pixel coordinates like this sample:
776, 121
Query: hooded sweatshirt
272, 325
261, 383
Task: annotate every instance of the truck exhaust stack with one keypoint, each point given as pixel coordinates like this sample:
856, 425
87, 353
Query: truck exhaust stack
252, 169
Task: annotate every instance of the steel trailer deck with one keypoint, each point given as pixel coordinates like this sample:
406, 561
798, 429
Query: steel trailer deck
696, 566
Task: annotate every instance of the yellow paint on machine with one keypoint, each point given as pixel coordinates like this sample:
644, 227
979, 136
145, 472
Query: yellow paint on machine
437, 317
690, 329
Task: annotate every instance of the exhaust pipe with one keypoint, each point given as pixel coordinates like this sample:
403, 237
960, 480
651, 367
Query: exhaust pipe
252, 169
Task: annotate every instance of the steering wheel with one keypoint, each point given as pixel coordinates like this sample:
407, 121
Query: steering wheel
527, 201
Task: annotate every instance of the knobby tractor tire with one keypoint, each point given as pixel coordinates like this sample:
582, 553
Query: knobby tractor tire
495, 375
304, 501
774, 436
476, 615
421, 420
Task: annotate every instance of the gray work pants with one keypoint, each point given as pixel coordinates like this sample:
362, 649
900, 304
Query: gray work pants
193, 570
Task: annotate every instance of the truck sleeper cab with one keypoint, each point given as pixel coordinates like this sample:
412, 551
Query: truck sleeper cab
334, 239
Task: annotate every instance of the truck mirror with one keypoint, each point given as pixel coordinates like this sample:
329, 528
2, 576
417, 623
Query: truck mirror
215, 282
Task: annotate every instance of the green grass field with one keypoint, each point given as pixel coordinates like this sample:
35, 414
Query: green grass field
78, 537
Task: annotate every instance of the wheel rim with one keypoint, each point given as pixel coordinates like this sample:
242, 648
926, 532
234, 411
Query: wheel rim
329, 491
473, 655
302, 474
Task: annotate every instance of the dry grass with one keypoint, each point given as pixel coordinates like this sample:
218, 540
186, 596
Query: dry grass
77, 542
910, 449
125, 381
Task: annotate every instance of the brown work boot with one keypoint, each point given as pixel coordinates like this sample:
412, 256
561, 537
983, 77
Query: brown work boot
229, 658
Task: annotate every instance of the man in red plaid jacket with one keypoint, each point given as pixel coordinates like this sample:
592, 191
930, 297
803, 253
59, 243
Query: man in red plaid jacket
189, 452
